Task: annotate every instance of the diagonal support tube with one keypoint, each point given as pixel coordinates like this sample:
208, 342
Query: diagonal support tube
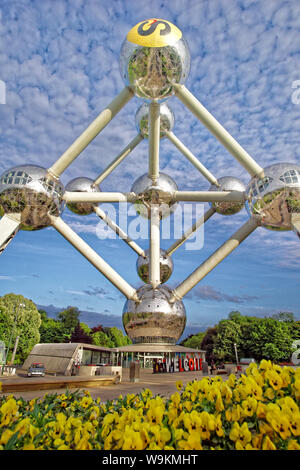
118, 159
189, 100
154, 141
210, 196
78, 196
119, 231
190, 231
9, 226
233, 242
154, 272
94, 258
90, 133
191, 157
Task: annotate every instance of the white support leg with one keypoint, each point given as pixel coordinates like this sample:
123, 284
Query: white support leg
154, 271
94, 258
189, 100
119, 231
118, 159
207, 266
90, 133
190, 231
9, 226
189, 155
154, 141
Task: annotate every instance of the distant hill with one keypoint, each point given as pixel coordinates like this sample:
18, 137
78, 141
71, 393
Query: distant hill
93, 319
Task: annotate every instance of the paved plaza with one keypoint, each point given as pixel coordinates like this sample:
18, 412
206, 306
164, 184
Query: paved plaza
163, 384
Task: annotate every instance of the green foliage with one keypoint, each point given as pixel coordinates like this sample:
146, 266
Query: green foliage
261, 338
69, 317
53, 331
194, 341
102, 339
19, 317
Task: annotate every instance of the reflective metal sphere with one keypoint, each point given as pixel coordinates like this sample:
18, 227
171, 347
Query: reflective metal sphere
84, 185
153, 57
154, 319
161, 195
28, 190
142, 120
274, 198
228, 183
166, 266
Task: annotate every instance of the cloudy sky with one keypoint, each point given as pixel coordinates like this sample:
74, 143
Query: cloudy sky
59, 61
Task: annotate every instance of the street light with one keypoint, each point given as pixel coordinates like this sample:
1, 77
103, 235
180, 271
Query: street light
236, 356
12, 330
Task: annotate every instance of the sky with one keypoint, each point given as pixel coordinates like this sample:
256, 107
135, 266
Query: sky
59, 61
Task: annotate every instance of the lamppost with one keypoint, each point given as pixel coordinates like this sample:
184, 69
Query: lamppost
236, 356
21, 305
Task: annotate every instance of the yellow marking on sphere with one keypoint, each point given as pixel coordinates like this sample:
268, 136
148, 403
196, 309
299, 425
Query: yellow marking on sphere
154, 33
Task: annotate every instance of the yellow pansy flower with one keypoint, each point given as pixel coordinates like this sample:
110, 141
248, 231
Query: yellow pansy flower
5, 436
275, 379
179, 385
293, 445
268, 444
249, 406
240, 434
132, 440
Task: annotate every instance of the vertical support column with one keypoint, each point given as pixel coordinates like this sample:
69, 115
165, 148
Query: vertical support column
154, 140
154, 274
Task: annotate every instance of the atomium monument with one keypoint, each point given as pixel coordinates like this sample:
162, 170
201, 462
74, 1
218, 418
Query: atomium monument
154, 64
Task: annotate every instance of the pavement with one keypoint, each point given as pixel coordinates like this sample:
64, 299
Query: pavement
163, 384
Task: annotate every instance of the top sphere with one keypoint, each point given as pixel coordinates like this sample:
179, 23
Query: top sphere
275, 197
30, 191
154, 57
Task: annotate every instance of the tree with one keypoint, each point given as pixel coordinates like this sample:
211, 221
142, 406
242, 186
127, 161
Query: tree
19, 317
52, 331
102, 339
69, 317
268, 338
208, 344
194, 341
80, 336
117, 337
229, 332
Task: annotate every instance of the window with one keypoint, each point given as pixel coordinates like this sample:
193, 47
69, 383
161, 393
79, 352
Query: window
290, 177
264, 183
51, 186
16, 177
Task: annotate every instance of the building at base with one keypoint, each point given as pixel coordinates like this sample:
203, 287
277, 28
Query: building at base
65, 358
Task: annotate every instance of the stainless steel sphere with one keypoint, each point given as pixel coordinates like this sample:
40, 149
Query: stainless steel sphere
142, 119
160, 195
166, 266
274, 198
84, 185
154, 319
228, 183
154, 56
28, 190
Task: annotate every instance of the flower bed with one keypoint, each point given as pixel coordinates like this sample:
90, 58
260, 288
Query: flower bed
259, 410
